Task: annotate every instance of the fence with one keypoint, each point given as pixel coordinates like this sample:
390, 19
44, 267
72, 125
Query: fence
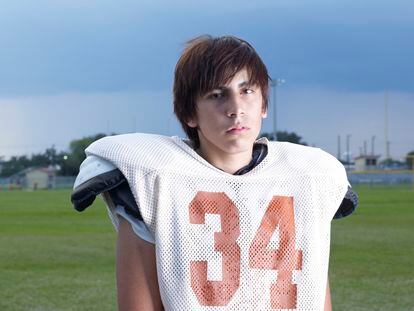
355, 178
64, 182
58, 182
382, 178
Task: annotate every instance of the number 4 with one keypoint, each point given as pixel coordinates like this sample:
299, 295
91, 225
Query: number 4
285, 259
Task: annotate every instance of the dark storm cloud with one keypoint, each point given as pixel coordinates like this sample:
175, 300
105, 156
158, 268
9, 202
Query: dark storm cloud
73, 46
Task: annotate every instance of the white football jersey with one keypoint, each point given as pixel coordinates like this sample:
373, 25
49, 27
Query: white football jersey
258, 241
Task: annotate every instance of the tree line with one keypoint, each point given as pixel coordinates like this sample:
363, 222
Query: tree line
66, 162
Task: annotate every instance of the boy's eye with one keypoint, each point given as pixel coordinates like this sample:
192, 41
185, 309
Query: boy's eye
216, 95
249, 91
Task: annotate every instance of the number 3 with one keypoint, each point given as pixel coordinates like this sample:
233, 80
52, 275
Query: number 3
285, 259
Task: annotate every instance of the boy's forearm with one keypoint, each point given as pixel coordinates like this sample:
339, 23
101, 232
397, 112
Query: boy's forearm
328, 304
137, 280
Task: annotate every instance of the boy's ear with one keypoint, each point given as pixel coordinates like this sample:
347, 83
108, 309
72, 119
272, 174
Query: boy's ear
264, 113
192, 123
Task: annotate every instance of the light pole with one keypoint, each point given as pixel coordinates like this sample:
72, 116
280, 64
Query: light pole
387, 142
274, 84
372, 145
348, 156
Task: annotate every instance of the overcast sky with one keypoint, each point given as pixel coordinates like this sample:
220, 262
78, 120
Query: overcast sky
72, 68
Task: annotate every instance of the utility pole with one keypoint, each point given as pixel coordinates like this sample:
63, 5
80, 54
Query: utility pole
339, 148
372, 145
387, 142
348, 156
274, 84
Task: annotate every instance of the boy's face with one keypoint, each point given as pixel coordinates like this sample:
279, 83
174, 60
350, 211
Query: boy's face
229, 118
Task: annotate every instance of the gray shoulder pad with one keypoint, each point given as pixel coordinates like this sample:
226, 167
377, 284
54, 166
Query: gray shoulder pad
348, 205
95, 176
91, 167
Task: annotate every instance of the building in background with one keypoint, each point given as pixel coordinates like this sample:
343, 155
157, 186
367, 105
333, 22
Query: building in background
366, 162
34, 178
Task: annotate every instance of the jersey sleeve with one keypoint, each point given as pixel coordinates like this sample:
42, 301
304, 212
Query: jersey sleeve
334, 188
345, 198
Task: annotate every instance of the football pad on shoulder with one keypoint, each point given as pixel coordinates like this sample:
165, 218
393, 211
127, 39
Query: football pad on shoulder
97, 176
348, 205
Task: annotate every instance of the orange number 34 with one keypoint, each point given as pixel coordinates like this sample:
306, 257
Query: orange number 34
285, 259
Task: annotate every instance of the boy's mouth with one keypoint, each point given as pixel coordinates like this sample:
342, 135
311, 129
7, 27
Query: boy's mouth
237, 129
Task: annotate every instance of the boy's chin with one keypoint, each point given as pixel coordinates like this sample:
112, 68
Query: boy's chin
237, 146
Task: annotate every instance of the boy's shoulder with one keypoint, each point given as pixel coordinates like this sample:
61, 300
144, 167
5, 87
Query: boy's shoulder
130, 139
150, 151
307, 160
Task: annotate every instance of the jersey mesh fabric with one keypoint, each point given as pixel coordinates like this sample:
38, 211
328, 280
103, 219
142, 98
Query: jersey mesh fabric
259, 241
138, 226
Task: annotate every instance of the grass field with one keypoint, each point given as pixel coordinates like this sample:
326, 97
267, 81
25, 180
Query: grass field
53, 258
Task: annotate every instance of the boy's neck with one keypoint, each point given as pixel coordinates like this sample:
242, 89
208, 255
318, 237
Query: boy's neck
229, 163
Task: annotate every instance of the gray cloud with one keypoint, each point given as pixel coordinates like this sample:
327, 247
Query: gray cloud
98, 46
82, 67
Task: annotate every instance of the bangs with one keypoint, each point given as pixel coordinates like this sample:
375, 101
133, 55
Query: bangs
223, 60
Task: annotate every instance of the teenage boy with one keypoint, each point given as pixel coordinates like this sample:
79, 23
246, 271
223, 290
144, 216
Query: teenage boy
219, 221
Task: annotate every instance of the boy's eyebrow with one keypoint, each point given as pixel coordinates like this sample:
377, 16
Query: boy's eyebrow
240, 85
244, 83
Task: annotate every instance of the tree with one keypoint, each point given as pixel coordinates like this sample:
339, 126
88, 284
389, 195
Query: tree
49, 157
39, 160
14, 165
391, 164
69, 163
285, 136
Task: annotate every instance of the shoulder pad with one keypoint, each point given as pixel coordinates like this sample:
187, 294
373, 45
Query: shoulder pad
95, 176
348, 205
91, 167
307, 160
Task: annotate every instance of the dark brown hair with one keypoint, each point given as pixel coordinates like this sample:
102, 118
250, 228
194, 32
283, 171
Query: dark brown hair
208, 63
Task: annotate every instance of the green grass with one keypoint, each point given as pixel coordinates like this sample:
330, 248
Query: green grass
372, 252
53, 258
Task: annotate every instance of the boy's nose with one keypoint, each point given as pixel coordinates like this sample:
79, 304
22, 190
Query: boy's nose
235, 108
235, 113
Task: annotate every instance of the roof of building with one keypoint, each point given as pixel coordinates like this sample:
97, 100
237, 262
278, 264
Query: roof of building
367, 157
47, 170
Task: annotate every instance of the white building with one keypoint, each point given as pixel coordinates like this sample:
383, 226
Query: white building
366, 162
35, 178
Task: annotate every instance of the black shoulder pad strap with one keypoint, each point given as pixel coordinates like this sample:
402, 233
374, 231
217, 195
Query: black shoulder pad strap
84, 195
348, 205
122, 195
